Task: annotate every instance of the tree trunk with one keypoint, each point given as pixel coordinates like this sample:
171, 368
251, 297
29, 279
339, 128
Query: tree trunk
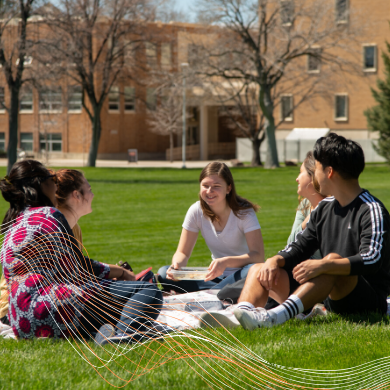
267, 107
272, 160
13, 128
171, 145
256, 158
96, 132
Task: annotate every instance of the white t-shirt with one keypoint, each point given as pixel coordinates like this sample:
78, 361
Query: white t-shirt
231, 241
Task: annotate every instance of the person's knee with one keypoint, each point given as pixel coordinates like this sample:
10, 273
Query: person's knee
254, 270
163, 271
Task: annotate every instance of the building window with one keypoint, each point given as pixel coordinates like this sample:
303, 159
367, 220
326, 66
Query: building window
151, 54
26, 142
287, 12
166, 55
27, 61
341, 11
129, 99
151, 99
195, 55
50, 142
287, 108
369, 58
75, 95
314, 61
50, 99
2, 100
341, 107
113, 99
2, 142
26, 100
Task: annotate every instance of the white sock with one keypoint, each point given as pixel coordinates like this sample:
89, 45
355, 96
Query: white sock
245, 306
291, 307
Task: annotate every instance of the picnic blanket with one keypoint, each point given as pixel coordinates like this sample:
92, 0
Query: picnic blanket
174, 314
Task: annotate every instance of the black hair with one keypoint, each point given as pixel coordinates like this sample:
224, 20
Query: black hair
345, 156
22, 188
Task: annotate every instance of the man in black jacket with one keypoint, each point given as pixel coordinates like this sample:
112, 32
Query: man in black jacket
351, 228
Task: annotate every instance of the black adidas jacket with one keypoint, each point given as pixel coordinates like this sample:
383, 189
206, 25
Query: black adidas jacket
358, 231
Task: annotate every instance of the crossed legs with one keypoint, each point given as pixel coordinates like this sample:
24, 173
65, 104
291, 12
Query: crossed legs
313, 291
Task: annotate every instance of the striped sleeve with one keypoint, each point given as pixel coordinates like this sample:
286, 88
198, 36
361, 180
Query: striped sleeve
374, 238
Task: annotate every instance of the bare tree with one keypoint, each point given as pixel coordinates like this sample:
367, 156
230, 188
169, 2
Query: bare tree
94, 43
166, 118
240, 106
15, 17
274, 44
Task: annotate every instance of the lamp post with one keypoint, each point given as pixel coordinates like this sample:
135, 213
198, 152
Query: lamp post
184, 66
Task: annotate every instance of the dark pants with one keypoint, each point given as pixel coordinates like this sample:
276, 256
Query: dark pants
129, 306
185, 286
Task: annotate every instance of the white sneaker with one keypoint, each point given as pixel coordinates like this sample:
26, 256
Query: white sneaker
252, 319
216, 320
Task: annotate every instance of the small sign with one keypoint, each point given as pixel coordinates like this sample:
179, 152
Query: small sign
132, 155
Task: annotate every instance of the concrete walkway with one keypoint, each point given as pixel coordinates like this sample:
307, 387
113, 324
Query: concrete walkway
120, 163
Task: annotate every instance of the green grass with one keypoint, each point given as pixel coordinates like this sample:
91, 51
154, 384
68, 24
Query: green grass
137, 217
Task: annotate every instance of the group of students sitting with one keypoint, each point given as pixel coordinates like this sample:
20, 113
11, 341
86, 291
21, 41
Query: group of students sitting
338, 252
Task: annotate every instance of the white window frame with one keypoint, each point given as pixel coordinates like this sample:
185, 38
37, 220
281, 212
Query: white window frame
114, 90
50, 102
286, 24
50, 142
29, 141
345, 118
168, 49
72, 88
151, 60
343, 21
23, 93
375, 68
319, 62
128, 101
2, 109
151, 92
291, 117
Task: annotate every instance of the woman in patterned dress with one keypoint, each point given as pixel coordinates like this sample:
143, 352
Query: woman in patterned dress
54, 290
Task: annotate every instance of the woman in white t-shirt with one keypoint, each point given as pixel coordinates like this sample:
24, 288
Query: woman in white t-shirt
228, 224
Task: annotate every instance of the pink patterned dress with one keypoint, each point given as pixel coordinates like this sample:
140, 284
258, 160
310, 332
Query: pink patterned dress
50, 281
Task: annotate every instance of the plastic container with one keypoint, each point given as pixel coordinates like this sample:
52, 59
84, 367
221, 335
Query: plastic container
190, 273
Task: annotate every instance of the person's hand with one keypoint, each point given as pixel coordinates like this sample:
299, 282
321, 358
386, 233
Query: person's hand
169, 273
269, 273
307, 270
216, 269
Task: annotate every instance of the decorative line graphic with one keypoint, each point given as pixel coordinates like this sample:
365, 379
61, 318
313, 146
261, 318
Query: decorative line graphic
125, 330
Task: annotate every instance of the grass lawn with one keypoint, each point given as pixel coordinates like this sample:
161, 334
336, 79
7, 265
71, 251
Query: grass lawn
137, 217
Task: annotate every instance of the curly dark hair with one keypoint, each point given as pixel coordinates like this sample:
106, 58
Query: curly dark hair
22, 188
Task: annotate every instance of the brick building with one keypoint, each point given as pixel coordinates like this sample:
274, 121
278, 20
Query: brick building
54, 120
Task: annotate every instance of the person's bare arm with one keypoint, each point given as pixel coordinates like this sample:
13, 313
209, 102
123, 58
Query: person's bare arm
332, 264
254, 240
183, 252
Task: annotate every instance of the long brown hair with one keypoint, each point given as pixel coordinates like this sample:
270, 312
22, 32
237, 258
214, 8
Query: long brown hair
68, 180
235, 202
22, 188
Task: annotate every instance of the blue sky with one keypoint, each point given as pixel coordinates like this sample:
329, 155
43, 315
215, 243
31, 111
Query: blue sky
185, 5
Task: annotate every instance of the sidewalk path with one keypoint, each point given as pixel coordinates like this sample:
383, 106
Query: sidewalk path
120, 163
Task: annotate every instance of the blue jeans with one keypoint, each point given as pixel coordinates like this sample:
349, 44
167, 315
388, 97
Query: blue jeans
127, 305
184, 286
